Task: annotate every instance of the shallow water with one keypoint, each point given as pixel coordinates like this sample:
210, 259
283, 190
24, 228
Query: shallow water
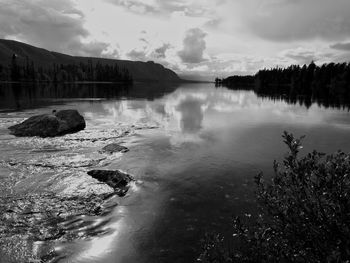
194, 151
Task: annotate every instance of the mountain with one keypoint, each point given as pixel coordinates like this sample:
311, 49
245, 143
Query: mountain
140, 71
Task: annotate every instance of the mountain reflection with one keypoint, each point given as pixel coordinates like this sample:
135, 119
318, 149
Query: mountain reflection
19, 96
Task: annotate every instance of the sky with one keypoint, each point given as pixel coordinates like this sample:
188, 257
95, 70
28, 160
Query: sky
198, 39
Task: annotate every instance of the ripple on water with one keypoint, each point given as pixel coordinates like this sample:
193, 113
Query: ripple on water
50, 219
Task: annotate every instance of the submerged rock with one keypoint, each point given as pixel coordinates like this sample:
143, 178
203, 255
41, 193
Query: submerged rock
50, 125
114, 148
119, 181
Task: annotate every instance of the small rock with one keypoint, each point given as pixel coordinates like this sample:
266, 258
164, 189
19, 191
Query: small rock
116, 179
113, 148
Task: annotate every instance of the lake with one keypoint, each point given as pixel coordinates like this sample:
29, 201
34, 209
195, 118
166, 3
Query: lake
194, 150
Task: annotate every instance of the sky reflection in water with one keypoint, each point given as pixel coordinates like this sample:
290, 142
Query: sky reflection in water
196, 112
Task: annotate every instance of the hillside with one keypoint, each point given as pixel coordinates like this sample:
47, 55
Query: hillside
140, 71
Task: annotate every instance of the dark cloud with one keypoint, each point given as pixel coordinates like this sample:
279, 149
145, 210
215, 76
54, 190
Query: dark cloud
193, 46
41, 23
55, 25
341, 46
160, 52
139, 55
288, 20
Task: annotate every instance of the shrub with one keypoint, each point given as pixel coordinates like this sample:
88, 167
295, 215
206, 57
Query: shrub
304, 213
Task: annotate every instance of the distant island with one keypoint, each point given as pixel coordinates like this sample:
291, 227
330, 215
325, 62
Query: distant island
329, 81
23, 62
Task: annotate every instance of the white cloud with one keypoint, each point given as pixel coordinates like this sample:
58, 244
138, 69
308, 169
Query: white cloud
137, 55
193, 8
193, 46
303, 55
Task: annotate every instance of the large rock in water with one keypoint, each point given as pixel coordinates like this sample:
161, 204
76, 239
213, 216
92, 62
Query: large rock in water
119, 181
50, 125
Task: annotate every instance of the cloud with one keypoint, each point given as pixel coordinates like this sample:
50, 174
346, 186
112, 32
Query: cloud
39, 22
225, 65
157, 55
289, 20
193, 46
303, 55
144, 40
135, 6
148, 53
160, 52
139, 55
341, 46
162, 7
95, 49
55, 25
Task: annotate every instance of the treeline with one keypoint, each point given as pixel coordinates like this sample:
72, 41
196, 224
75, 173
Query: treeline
331, 81
245, 82
27, 71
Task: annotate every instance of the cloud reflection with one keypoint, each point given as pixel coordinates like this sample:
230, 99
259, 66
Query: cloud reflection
191, 115
191, 111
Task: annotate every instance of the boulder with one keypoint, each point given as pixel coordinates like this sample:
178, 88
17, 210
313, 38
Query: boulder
50, 125
70, 121
116, 179
113, 148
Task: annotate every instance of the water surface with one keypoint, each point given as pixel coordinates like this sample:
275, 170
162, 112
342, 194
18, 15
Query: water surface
194, 151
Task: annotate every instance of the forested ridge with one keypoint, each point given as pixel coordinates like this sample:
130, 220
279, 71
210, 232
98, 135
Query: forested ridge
330, 80
28, 71
32, 62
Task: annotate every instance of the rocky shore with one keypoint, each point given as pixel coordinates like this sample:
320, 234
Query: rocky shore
68, 165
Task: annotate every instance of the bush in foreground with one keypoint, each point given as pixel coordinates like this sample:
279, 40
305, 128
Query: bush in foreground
304, 213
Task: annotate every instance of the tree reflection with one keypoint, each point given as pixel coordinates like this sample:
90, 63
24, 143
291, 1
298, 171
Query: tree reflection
17, 96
